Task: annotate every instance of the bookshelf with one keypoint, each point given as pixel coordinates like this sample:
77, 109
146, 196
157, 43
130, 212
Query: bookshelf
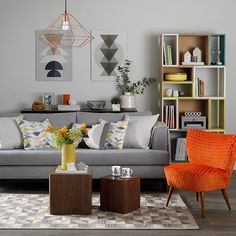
203, 90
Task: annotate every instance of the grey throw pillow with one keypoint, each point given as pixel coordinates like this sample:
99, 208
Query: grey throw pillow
10, 134
139, 131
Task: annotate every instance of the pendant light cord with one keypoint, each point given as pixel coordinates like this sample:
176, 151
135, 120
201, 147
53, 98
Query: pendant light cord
66, 6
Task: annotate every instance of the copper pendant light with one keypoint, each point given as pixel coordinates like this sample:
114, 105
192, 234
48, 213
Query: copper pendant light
66, 32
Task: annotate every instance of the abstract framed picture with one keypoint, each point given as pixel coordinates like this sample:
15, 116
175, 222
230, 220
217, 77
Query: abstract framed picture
52, 64
108, 50
48, 100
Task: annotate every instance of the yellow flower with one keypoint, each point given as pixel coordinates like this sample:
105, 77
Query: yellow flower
84, 128
49, 129
58, 132
64, 131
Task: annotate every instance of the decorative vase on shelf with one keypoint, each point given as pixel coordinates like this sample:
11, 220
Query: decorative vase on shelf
68, 155
115, 107
127, 101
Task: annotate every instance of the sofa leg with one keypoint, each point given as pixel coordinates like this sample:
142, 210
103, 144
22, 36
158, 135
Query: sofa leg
226, 198
169, 195
197, 196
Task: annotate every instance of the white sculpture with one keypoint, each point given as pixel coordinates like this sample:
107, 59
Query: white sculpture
187, 57
198, 54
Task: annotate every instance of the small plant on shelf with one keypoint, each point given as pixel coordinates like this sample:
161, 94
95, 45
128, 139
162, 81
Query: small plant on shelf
124, 83
115, 102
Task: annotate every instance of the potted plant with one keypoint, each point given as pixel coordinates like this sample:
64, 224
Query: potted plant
128, 88
67, 140
115, 102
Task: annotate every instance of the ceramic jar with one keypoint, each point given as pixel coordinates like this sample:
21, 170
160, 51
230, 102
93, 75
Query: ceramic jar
127, 101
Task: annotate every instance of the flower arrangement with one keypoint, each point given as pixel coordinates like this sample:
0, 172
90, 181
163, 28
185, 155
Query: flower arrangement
124, 83
65, 136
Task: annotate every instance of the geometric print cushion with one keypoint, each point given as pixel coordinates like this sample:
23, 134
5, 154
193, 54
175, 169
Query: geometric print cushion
34, 134
114, 135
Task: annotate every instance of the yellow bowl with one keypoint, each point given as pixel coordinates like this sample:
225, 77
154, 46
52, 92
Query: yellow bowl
176, 77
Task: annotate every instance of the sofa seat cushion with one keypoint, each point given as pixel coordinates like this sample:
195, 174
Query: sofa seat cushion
52, 157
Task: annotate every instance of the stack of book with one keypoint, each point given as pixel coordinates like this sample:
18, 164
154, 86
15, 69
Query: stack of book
199, 88
170, 116
167, 54
181, 153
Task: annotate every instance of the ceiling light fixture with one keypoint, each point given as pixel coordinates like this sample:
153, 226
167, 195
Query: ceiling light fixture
66, 32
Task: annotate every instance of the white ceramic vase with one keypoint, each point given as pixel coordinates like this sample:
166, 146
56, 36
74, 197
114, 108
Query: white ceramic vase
115, 107
127, 101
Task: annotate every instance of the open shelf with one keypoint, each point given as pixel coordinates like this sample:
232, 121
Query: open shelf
189, 42
172, 70
214, 80
217, 49
166, 112
217, 114
170, 40
186, 88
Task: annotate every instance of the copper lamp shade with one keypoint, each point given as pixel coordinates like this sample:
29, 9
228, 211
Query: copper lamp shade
65, 32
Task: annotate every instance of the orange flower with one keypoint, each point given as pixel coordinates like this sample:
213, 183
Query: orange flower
84, 128
49, 129
64, 131
58, 132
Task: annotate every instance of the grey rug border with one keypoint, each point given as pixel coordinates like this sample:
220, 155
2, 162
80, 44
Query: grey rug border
191, 218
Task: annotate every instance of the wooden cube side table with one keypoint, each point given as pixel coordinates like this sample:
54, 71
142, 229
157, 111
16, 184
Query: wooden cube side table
70, 194
120, 195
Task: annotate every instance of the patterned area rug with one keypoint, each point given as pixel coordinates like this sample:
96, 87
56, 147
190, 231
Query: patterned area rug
30, 211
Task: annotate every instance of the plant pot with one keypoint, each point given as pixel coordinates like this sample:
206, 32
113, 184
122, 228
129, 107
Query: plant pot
128, 101
68, 155
115, 107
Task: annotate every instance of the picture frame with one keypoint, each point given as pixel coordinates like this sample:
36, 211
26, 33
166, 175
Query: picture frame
48, 100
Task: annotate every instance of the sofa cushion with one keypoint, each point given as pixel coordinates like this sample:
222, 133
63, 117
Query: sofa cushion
52, 157
57, 120
91, 118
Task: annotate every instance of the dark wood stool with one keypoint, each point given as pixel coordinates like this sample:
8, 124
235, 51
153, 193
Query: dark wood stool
70, 194
120, 195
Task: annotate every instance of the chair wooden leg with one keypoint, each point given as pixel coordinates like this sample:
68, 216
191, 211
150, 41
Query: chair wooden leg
202, 204
226, 198
197, 196
169, 195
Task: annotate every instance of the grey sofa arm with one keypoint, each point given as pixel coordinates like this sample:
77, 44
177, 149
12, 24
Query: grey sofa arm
160, 137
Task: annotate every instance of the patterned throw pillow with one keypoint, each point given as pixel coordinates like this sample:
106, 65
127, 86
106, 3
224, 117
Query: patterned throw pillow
115, 135
34, 134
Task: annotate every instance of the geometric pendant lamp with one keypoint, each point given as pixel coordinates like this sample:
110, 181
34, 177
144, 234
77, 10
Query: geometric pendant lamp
65, 32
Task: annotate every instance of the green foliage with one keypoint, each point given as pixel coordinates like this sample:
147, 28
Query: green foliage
116, 100
124, 83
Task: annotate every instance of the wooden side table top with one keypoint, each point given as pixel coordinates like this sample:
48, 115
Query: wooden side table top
118, 178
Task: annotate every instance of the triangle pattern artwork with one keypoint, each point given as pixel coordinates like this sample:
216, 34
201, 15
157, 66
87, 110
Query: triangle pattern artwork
109, 50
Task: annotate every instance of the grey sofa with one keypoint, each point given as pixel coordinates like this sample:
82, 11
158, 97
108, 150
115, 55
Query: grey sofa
37, 164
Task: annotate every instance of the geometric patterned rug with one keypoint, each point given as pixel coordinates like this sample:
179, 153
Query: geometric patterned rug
30, 211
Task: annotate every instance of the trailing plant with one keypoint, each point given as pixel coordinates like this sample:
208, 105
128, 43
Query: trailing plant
116, 100
124, 83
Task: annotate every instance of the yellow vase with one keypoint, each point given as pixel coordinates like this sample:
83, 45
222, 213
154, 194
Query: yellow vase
68, 155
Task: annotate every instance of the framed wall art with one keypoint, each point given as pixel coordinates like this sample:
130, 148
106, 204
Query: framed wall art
52, 64
48, 100
108, 50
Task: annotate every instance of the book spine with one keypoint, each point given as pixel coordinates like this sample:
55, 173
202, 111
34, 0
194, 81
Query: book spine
168, 54
164, 54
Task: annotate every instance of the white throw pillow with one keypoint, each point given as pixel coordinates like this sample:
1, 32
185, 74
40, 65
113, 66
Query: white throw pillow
94, 136
10, 134
139, 131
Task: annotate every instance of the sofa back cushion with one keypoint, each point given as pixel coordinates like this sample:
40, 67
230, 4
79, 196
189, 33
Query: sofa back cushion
57, 120
91, 118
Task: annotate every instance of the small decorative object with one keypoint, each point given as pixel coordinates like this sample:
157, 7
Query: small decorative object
126, 172
218, 52
38, 106
187, 57
66, 99
197, 53
197, 122
96, 104
192, 113
181, 93
176, 77
48, 100
175, 93
115, 102
168, 92
108, 50
68, 107
66, 32
67, 140
128, 88
116, 170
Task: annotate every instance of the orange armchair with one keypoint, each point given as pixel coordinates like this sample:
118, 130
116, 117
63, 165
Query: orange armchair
211, 160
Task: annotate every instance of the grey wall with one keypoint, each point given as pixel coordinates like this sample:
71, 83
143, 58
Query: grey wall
144, 20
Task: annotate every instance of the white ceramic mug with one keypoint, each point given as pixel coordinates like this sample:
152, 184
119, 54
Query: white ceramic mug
126, 172
115, 170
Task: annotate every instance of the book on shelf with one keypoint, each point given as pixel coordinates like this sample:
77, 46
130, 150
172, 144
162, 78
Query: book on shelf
170, 116
180, 152
167, 54
199, 88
